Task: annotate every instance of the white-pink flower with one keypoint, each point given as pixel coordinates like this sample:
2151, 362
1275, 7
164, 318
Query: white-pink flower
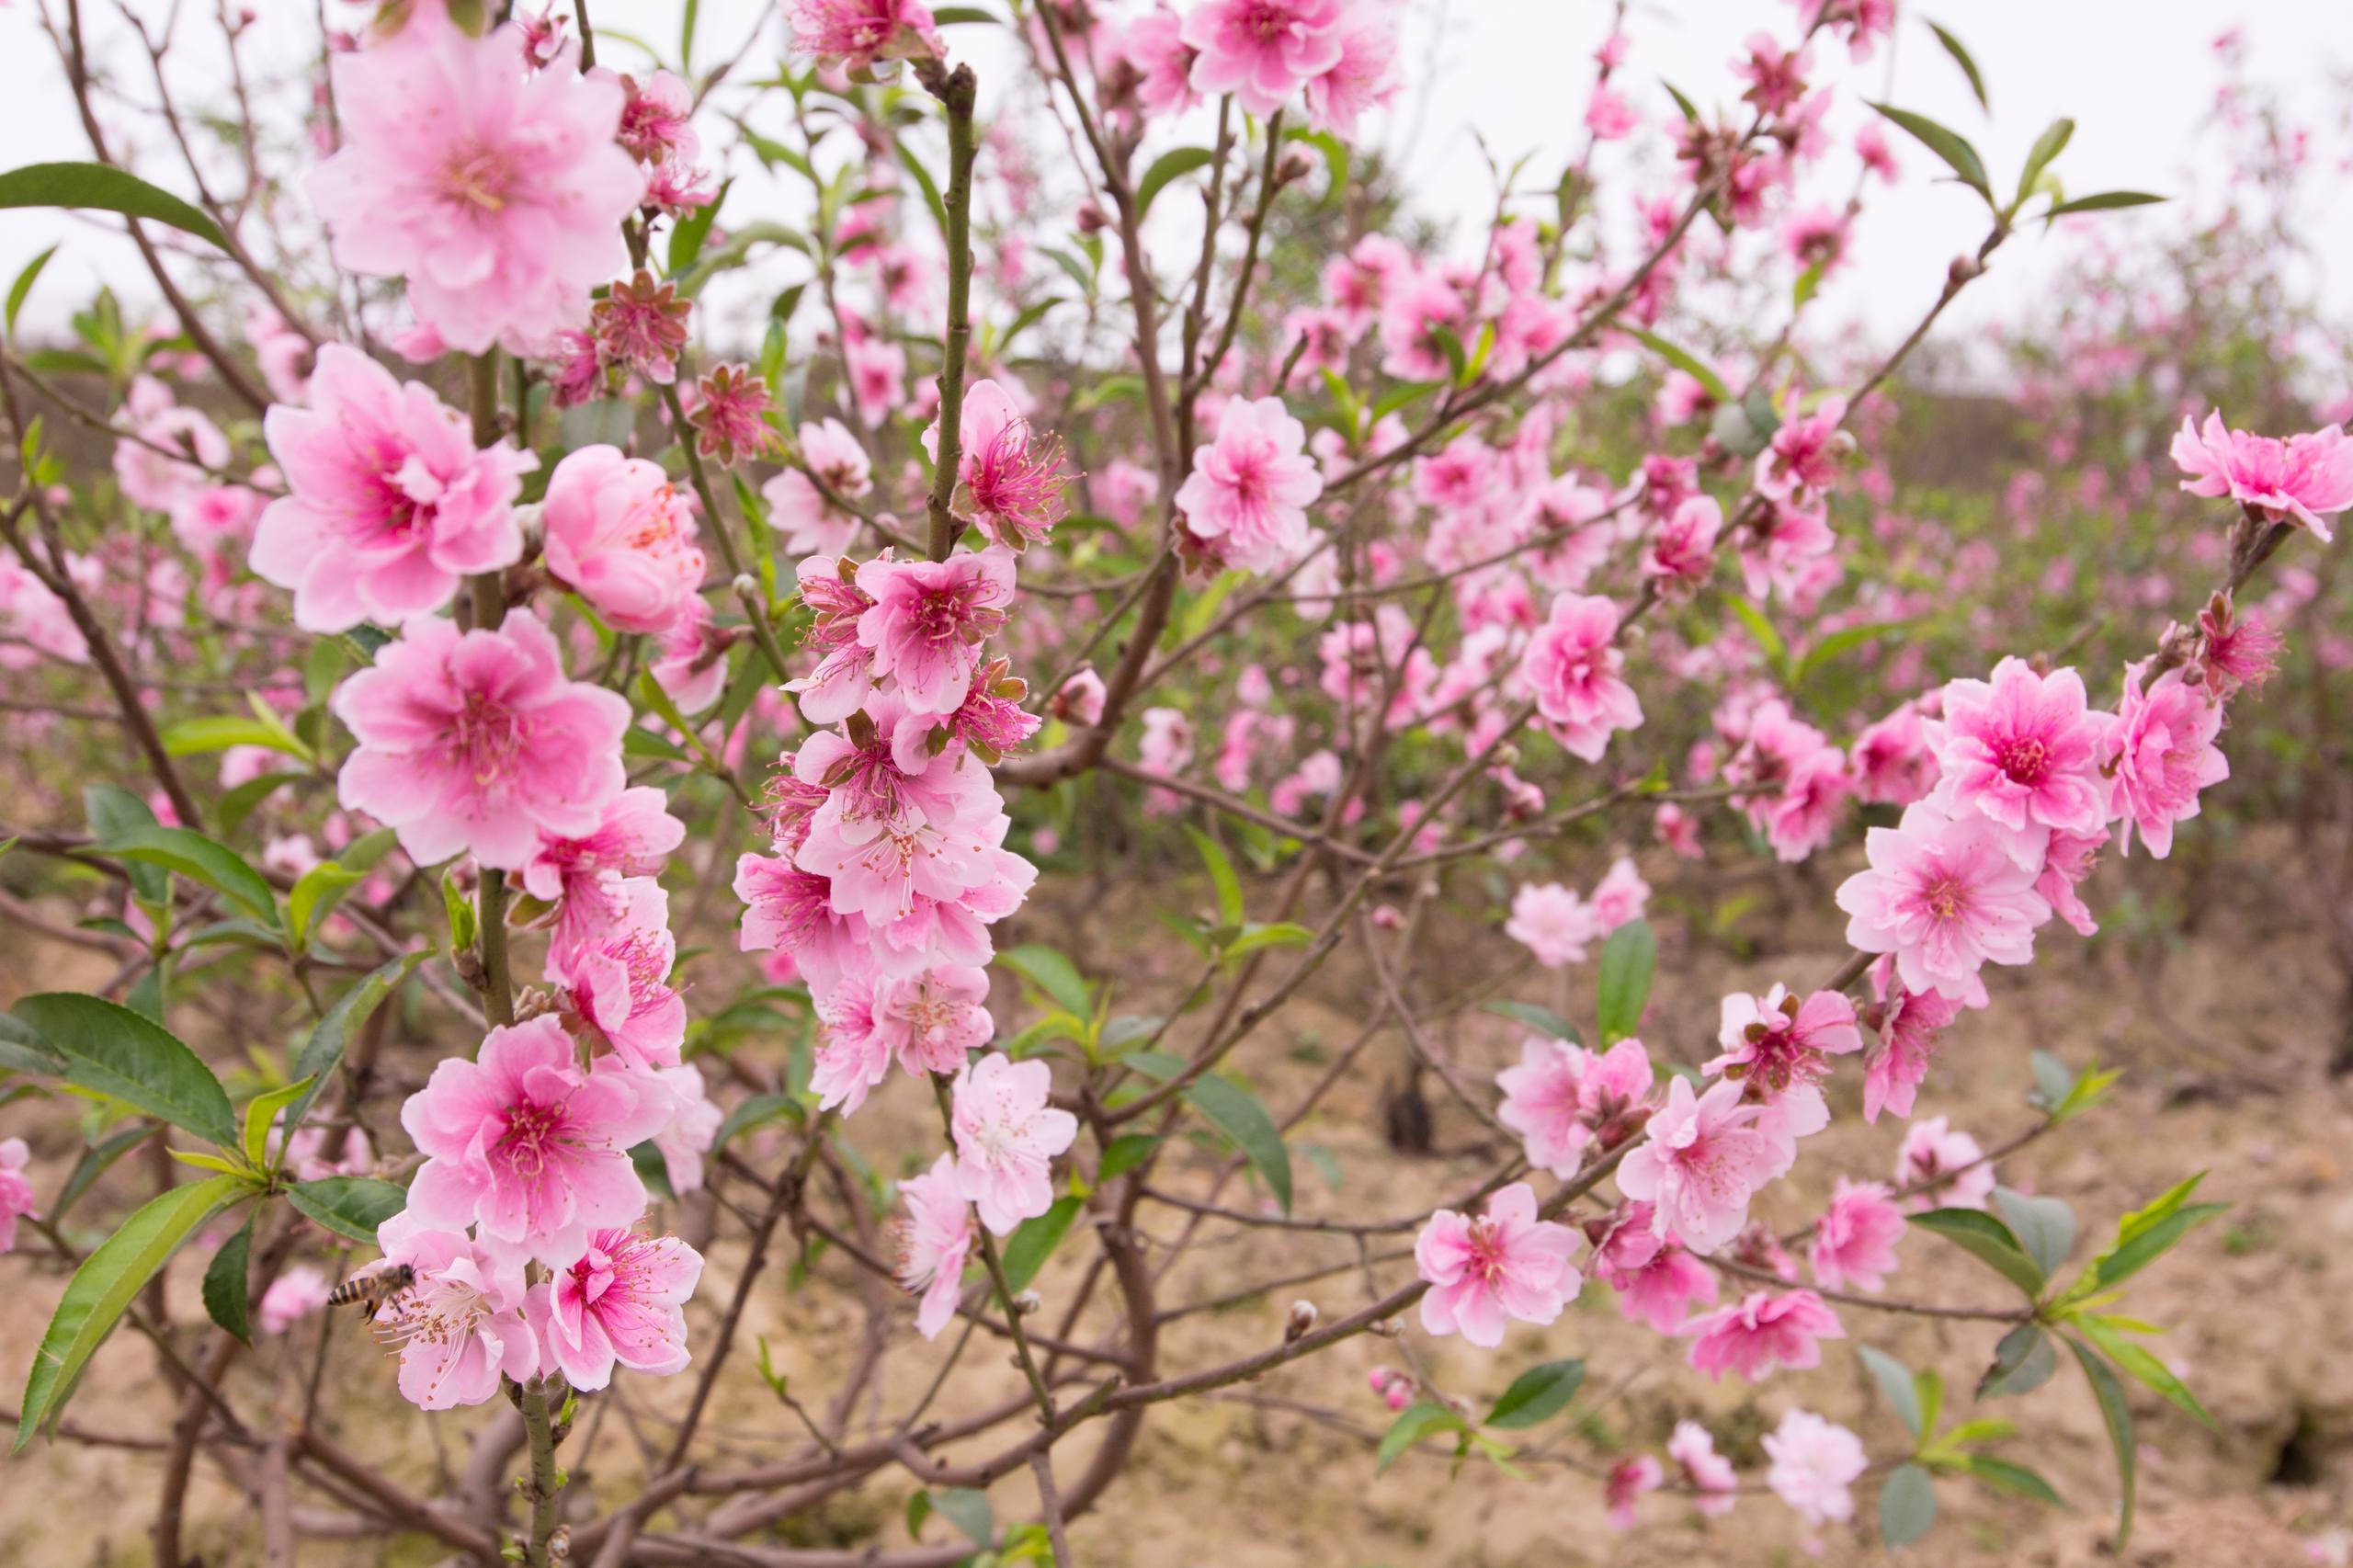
618, 982
1571, 669
2022, 751
1263, 50
1815, 1463
1621, 896
1946, 897
1006, 1138
459, 1325
809, 524
2305, 479
621, 1302
390, 504
1551, 921
928, 618
1009, 480
496, 190
1704, 1471
621, 536
2159, 753
529, 1146
1560, 1094
1701, 1158
1946, 1160
475, 741
1854, 1242
296, 1293
1778, 1046
1503, 1263
1762, 1331
17, 1197
935, 1243
1249, 489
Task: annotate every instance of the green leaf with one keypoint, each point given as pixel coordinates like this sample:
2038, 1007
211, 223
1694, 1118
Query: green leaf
2144, 1367
2107, 200
23, 285
1221, 876
757, 1110
1952, 147
1968, 66
1894, 1380
1171, 164
2023, 1361
1907, 1506
224, 1285
1052, 973
2145, 1245
1683, 360
112, 811
2047, 146
1989, 1241
323, 1053
106, 1284
2011, 1477
687, 238
968, 1511
1277, 934
1537, 1395
349, 1206
2053, 1081
1238, 1113
87, 187
1770, 641
114, 1052
2045, 1227
191, 853
219, 732
96, 1162
1842, 641
1125, 1154
1628, 959
1034, 1241
1543, 1020
948, 15
2119, 1418
1413, 1424
260, 1111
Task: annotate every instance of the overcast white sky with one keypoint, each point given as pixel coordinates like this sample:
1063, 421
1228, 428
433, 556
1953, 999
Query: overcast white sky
2137, 76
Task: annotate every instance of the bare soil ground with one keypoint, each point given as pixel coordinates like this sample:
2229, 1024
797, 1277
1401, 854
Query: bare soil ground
2226, 1028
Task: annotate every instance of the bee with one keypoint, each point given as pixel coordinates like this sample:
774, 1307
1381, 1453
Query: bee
373, 1292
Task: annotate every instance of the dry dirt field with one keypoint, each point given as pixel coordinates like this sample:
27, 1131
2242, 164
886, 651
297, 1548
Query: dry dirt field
2226, 1028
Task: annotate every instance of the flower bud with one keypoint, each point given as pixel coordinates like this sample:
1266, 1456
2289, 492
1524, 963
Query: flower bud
745, 585
1028, 1302
1091, 220
1301, 1323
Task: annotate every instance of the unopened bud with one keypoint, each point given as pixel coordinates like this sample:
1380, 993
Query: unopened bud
745, 585
1385, 1328
560, 1544
1962, 269
1301, 1323
1295, 166
1026, 1302
1091, 220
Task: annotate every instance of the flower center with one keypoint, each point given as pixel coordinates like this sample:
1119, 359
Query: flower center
532, 1136
2024, 759
478, 177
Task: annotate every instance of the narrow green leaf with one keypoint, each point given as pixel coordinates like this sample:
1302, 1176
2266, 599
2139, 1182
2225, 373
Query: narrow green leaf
1238, 1113
1627, 961
261, 1110
1769, 641
1968, 66
1052, 973
97, 187
1172, 164
106, 1284
1537, 1395
692, 230
95, 1163
1125, 1154
224, 1285
1543, 1020
756, 1111
349, 1206
323, 1053
219, 732
1034, 1241
2128, 1257
1683, 360
1413, 1424
2047, 146
2011, 1477
2117, 1415
1278, 934
114, 1050
1907, 1506
1221, 876
2144, 1367
2045, 1227
23, 285
206, 860
114, 811
1952, 147
2107, 200
1894, 1380
1989, 1241
2023, 1361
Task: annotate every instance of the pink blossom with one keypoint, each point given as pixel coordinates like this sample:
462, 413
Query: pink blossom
1814, 1462
1609, 116
528, 1145
1803, 461
1932, 1152
1364, 78
1551, 921
1693, 1450
1007, 1137
639, 326
1249, 489
692, 1128
928, 621
149, 478
17, 1197
844, 672
1892, 763
1010, 482
2238, 653
622, 536
1167, 744
935, 1244
1778, 1046
1946, 897
1870, 146
851, 1057
1080, 702
1263, 50
1701, 1160
633, 836
691, 666
1657, 1281
2068, 861
459, 1325
475, 741
2306, 479
1910, 1025
1763, 1331
1628, 1480
2022, 752
2159, 754
390, 503
495, 190
1621, 896
1570, 667
1562, 1094
928, 1022
1500, 1264
1681, 553
1854, 1242
621, 1301
730, 415
811, 524
859, 33
619, 981
296, 1293
1678, 830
